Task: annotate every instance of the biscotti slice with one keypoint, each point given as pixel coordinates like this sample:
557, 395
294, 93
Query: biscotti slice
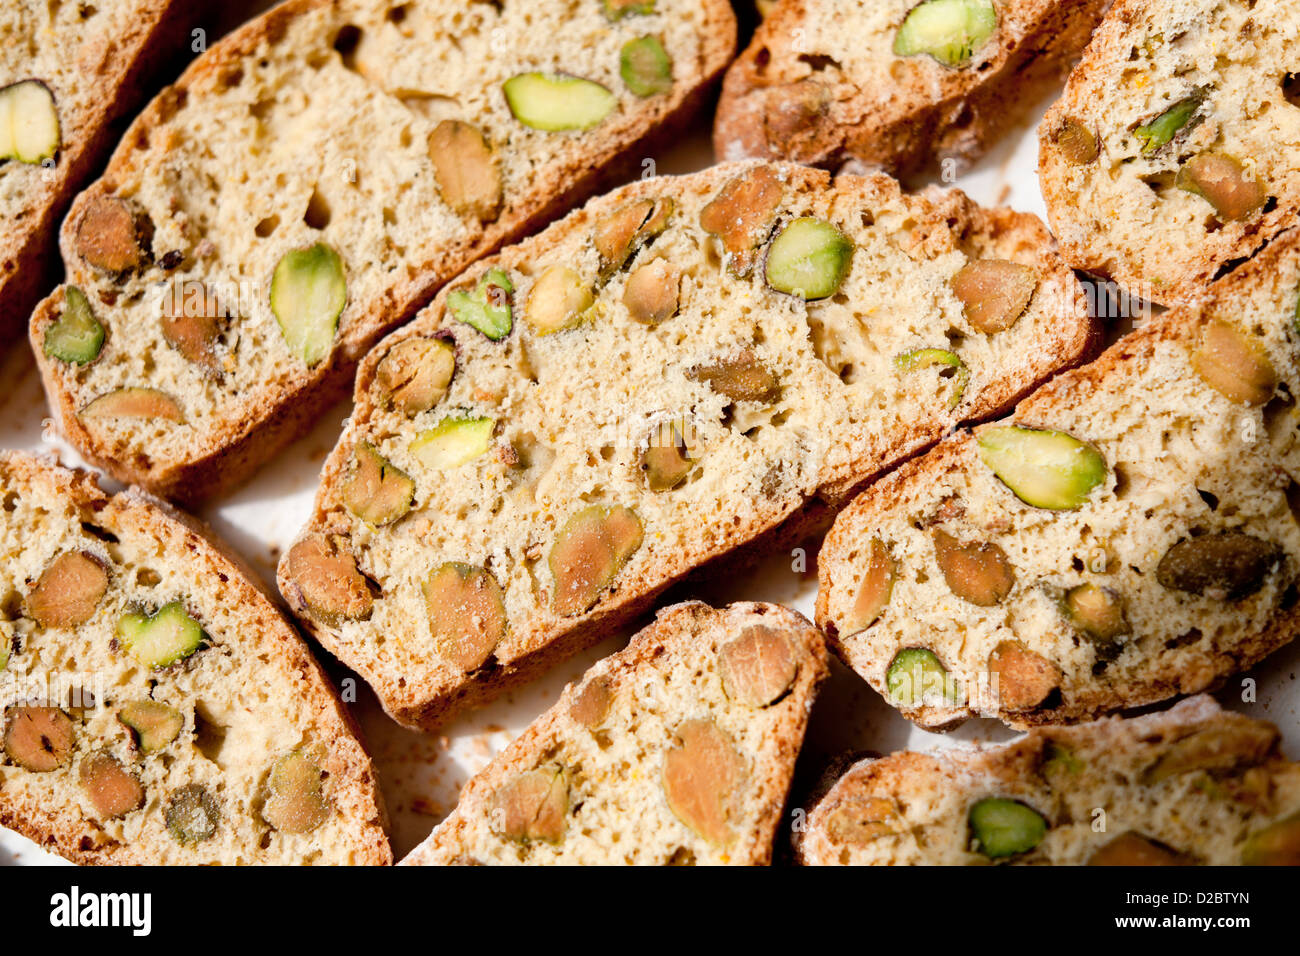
677, 368
895, 84
1191, 785
677, 750
1172, 154
157, 708
67, 71
310, 181
1130, 534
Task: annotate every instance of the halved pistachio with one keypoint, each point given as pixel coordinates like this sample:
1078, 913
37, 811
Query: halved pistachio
876, 587
486, 306
619, 235
133, 402
862, 819
1046, 469
76, 335
950, 31
68, 590
1214, 748
978, 572
296, 801
651, 293
588, 554
413, 376
994, 293
645, 66
155, 724
559, 299
925, 358
1003, 827
532, 806
702, 776
617, 9
666, 460
591, 702
1275, 845
1235, 365
555, 102
1224, 182
1227, 565
809, 258
162, 638
192, 814
308, 293
113, 791
1159, 130
453, 442
39, 739
740, 377
29, 122
1024, 678
1097, 612
323, 579
467, 613
1077, 143
112, 235
375, 490
758, 667
916, 677
742, 214
465, 169
191, 322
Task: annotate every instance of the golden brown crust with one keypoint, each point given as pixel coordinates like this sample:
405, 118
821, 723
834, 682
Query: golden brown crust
354, 785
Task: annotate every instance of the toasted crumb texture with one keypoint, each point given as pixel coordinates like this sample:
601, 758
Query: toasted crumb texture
1126, 204
1191, 785
779, 403
820, 83
92, 59
319, 123
249, 729
663, 754
1173, 566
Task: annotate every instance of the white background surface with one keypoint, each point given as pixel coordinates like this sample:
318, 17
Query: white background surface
421, 774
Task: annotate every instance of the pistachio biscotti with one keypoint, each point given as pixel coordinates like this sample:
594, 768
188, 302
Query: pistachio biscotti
1192, 785
156, 707
309, 182
895, 84
677, 750
679, 367
67, 70
1173, 153
1130, 534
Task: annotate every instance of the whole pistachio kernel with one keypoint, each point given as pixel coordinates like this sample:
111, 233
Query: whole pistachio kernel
740, 377
978, 572
809, 258
467, 613
994, 293
950, 31
558, 300
875, 590
133, 402
758, 667
154, 724
646, 67
666, 460
702, 776
1096, 612
1133, 849
414, 374
375, 490
1213, 749
652, 292
39, 739
1077, 143
1176, 119
532, 806
1235, 365
590, 703
76, 336
323, 579
1225, 183
588, 554
1002, 827
68, 590
466, 170
1227, 565
192, 814
619, 235
308, 292
112, 790
296, 800
916, 677
1045, 469
1024, 678
860, 820
742, 214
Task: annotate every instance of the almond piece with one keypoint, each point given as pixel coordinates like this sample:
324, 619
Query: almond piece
758, 667
68, 590
703, 775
